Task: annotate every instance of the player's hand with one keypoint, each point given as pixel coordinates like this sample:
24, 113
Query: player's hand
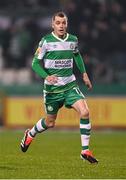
87, 81
52, 79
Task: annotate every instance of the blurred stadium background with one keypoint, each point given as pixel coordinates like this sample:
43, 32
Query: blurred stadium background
101, 28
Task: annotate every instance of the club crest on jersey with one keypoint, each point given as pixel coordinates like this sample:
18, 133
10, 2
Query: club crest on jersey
50, 108
71, 46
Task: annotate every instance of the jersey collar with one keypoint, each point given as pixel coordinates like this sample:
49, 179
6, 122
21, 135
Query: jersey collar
62, 40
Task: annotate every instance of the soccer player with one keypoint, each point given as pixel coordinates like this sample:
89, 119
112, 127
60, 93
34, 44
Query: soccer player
58, 50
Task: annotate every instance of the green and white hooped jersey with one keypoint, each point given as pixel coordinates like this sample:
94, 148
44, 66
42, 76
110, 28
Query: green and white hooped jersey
57, 55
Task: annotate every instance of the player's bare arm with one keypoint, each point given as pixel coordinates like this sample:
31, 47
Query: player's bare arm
87, 81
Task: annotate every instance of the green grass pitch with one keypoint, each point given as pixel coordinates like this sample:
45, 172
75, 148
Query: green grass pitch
56, 155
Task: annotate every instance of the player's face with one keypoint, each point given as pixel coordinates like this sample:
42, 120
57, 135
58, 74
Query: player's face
59, 24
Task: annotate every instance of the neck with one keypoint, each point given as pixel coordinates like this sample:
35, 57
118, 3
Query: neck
60, 36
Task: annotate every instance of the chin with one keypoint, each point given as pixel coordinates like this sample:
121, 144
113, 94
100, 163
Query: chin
61, 34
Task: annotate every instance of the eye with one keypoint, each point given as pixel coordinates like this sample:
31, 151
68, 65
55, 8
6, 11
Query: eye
64, 22
57, 22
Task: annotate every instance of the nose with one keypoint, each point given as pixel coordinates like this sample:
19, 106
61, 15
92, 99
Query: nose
61, 26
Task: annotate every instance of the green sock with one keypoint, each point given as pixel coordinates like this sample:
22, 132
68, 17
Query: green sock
85, 128
39, 127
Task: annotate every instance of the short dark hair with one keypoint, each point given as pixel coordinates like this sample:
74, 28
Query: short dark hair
60, 14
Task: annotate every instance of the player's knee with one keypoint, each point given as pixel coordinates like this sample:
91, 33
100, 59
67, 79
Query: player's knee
51, 124
84, 113
50, 121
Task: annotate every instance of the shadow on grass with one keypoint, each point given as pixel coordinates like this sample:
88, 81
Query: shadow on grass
7, 168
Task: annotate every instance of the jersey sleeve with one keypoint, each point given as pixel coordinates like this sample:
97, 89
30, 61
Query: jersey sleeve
78, 58
76, 49
41, 50
38, 69
39, 54
79, 62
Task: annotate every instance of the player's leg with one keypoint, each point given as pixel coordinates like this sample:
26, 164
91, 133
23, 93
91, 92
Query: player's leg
75, 99
53, 102
41, 126
85, 128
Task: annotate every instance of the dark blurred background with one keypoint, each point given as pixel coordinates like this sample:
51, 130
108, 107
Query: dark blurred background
99, 24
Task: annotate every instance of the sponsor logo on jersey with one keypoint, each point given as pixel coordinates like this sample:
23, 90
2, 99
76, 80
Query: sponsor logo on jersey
63, 63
